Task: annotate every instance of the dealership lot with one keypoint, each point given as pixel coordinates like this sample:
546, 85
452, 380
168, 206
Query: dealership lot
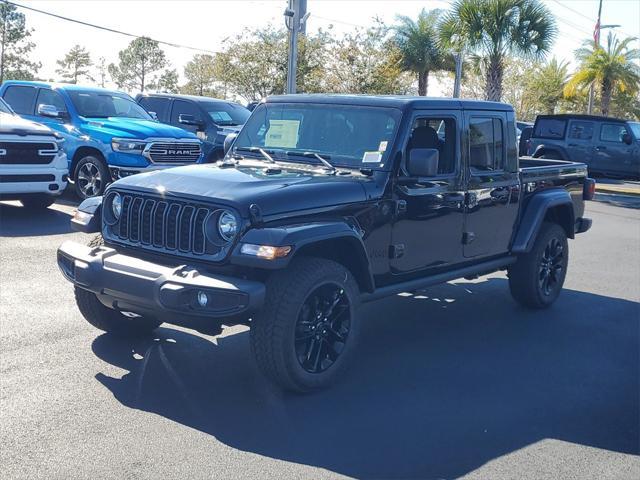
453, 381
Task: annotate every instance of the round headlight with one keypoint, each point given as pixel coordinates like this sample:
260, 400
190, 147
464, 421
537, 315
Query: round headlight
116, 206
227, 225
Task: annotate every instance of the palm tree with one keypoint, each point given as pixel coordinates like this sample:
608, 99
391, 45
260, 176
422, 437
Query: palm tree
419, 47
546, 84
495, 29
611, 69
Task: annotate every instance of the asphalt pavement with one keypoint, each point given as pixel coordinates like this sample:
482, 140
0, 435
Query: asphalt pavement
456, 381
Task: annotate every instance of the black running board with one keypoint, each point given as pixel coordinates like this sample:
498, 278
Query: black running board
411, 285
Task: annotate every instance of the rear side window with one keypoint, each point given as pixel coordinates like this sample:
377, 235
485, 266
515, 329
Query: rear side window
486, 145
21, 99
158, 105
581, 130
49, 97
610, 132
550, 128
181, 107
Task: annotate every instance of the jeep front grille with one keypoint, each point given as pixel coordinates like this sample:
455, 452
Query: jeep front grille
178, 228
173, 152
27, 153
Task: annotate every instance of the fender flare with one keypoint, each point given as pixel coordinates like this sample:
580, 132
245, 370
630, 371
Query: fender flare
88, 217
300, 236
535, 213
541, 148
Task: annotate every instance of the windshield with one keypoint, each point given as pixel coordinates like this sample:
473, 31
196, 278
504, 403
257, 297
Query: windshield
226, 113
347, 135
4, 108
635, 128
103, 105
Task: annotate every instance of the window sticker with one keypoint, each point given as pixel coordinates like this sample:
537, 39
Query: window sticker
383, 146
372, 157
220, 116
282, 134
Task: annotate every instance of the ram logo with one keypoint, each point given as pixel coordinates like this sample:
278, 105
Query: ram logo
178, 152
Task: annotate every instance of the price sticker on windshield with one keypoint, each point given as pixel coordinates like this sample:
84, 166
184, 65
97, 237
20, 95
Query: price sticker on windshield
372, 157
282, 134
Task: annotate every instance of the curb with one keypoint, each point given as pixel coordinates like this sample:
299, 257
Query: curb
618, 190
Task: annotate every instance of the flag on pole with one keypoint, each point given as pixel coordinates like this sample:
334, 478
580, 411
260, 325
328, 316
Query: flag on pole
596, 33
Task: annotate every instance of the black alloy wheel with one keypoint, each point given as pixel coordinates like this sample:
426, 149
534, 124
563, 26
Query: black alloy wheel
322, 328
551, 267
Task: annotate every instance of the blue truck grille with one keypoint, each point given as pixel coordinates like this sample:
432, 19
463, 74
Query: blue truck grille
174, 152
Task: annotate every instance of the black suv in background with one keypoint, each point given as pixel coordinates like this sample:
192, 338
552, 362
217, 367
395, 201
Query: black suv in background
209, 118
609, 146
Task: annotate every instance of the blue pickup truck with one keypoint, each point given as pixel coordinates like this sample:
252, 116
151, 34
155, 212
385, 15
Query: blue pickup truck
107, 134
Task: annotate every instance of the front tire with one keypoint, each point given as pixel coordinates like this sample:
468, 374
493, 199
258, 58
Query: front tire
91, 177
107, 319
306, 333
536, 279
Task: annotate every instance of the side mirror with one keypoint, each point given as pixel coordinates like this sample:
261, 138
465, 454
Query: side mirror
626, 138
423, 162
187, 119
153, 115
228, 141
49, 111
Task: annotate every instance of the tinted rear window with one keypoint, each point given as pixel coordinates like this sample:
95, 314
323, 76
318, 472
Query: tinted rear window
21, 99
159, 105
550, 128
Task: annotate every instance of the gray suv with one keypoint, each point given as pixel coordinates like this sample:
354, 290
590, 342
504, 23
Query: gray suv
608, 146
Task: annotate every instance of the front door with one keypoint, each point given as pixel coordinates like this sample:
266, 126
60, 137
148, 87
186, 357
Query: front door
493, 184
427, 230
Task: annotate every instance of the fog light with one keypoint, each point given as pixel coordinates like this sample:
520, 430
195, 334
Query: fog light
203, 299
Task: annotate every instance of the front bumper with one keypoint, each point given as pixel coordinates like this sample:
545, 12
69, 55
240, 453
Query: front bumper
122, 172
127, 283
19, 179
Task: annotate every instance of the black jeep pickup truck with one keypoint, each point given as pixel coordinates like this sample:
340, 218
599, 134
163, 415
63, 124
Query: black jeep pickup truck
323, 202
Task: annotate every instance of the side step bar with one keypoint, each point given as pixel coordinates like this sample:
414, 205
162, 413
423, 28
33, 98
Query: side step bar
410, 285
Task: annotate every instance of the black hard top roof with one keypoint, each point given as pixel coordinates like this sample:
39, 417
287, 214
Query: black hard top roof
395, 101
179, 96
579, 116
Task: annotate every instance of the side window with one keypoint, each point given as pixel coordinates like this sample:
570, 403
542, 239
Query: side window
438, 133
181, 107
549, 128
581, 130
159, 105
49, 97
486, 145
610, 132
21, 99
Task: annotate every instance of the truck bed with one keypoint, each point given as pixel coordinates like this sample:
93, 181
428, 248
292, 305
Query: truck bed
534, 169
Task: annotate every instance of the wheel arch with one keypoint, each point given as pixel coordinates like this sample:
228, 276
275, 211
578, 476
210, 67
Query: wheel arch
82, 152
548, 150
553, 205
337, 241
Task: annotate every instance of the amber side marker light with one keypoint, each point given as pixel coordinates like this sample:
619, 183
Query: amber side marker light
265, 251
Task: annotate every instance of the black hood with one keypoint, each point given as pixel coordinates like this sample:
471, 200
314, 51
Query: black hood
288, 190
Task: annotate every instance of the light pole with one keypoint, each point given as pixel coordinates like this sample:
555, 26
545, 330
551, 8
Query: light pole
596, 41
458, 54
295, 17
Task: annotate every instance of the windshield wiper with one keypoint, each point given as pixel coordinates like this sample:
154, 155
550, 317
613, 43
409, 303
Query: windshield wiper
264, 153
323, 159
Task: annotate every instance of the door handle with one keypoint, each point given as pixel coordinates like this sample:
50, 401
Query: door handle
599, 147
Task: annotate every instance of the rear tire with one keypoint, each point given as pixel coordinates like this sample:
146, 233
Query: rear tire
536, 279
305, 335
38, 202
107, 319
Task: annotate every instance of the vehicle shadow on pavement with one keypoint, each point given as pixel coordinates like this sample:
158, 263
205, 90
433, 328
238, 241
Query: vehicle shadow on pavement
18, 221
444, 382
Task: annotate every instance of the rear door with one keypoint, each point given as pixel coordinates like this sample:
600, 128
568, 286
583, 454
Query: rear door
493, 185
580, 141
612, 154
22, 99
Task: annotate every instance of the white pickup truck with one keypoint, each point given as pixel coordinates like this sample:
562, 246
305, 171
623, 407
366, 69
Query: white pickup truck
33, 166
